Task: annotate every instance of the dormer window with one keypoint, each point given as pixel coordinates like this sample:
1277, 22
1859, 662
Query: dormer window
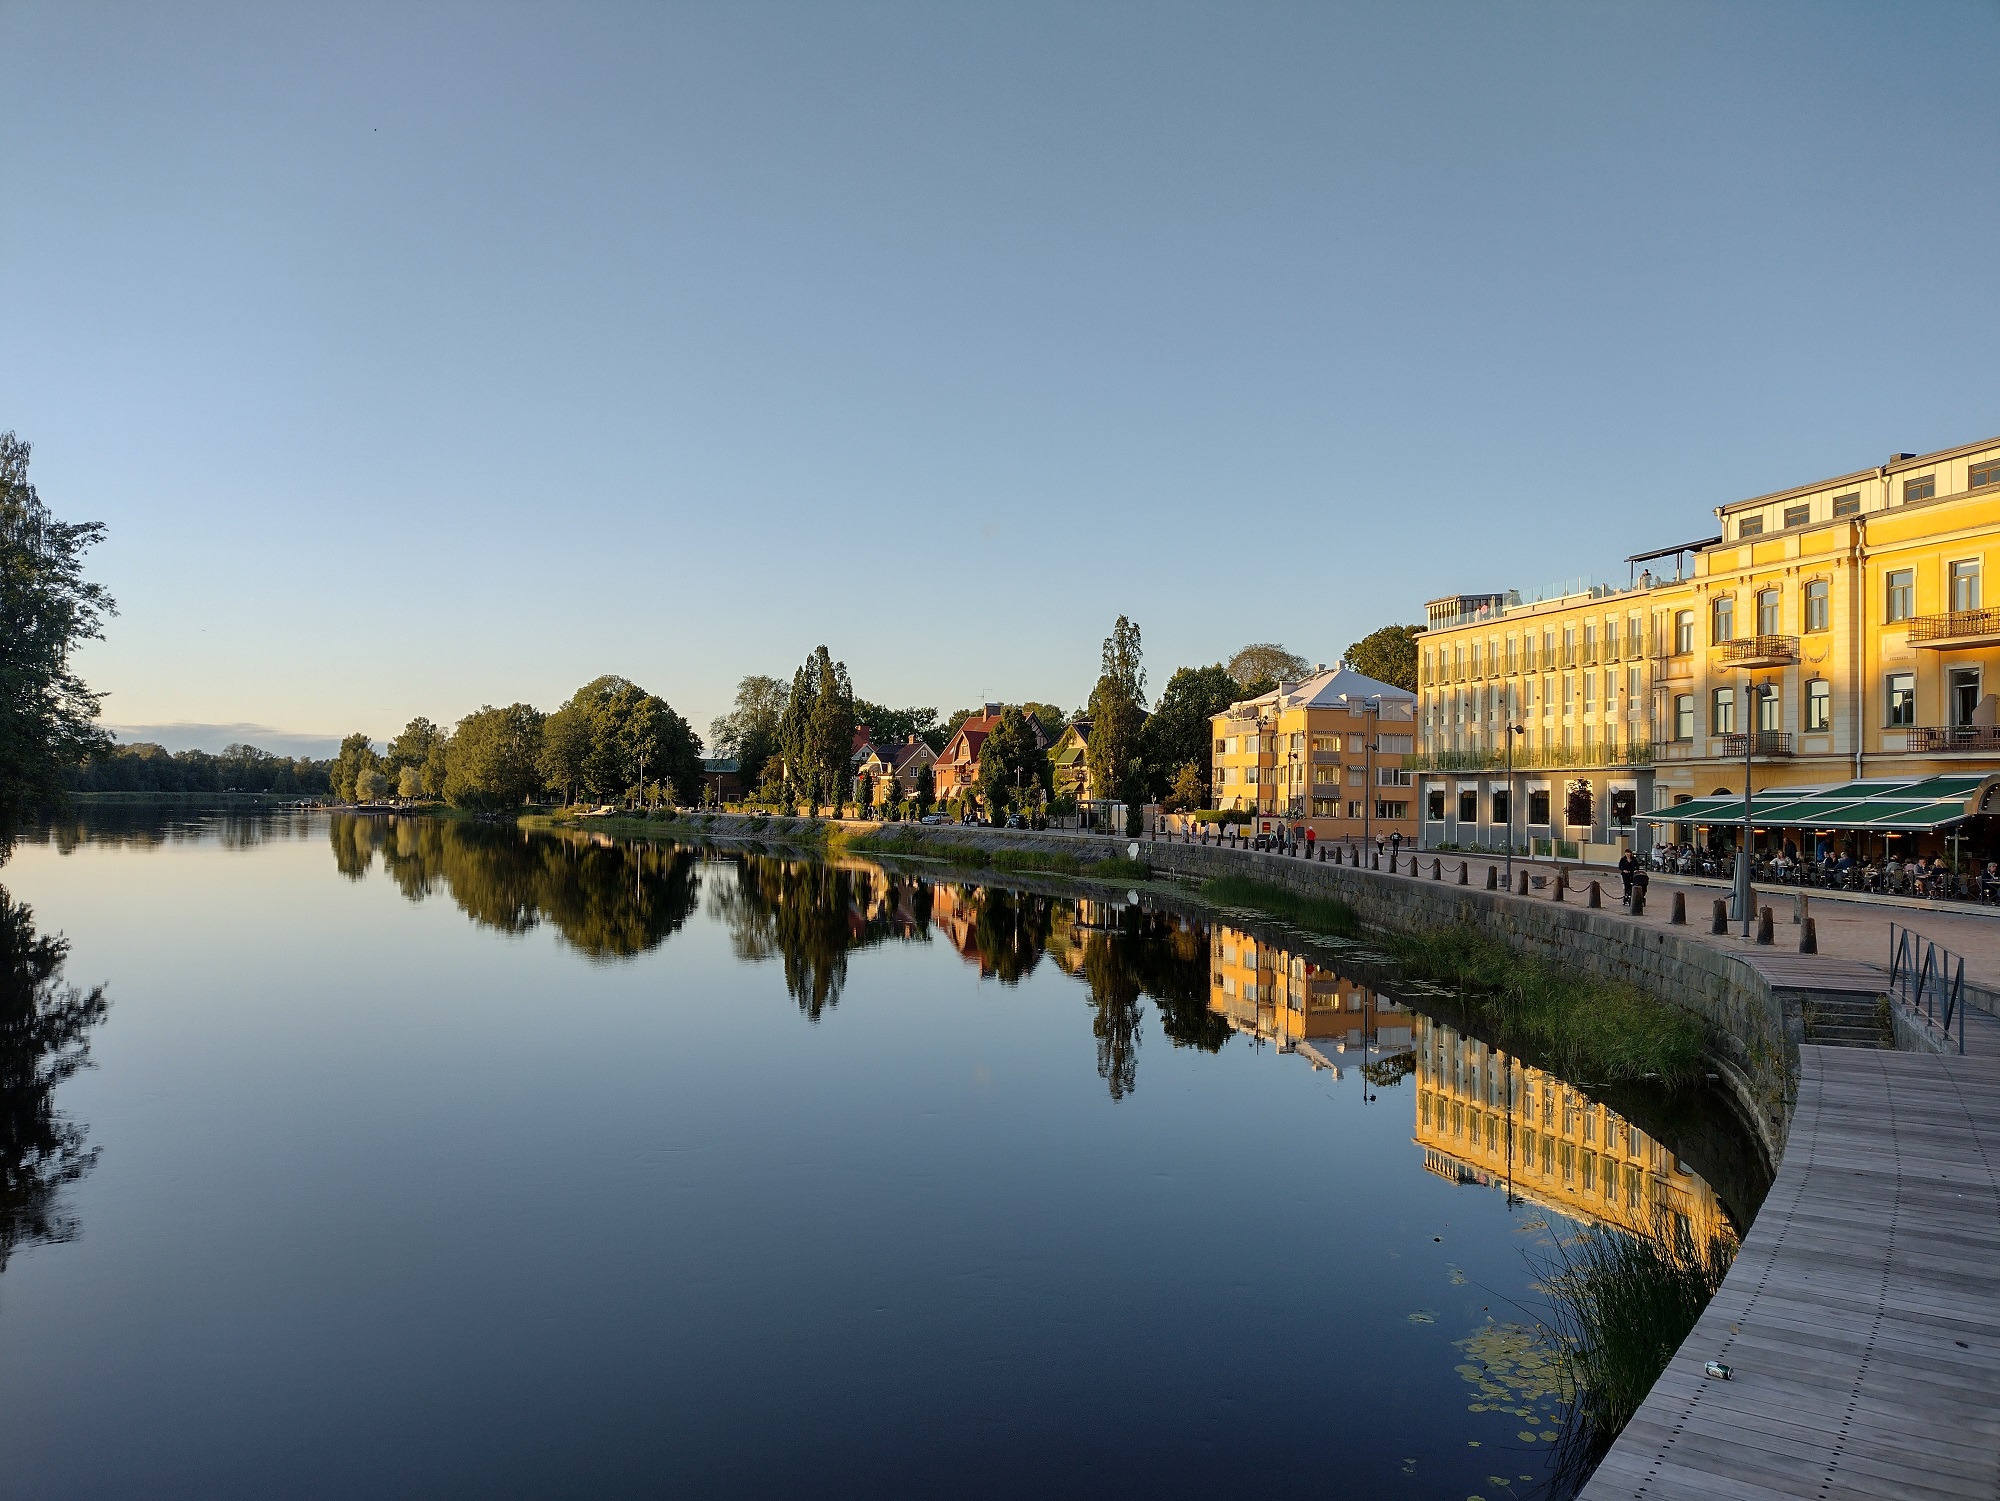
1923, 487
1798, 515
1750, 526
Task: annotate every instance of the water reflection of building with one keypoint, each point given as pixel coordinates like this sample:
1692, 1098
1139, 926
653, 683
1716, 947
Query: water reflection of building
1486, 1118
1271, 992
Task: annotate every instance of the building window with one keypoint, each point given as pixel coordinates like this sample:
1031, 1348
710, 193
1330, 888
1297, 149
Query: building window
1848, 504
1722, 620
1923, 487
1769, 707
1902, 699
1624, 803
1767, 613
1684, 716
1538, 807
1798, 515
1468, 806
1434, 805
1683, 633
1722, 712
1750, 526
1965, 585
1963, 694
1984, 472
1819, 704
1816, 603
1394, 812
1500, 808
1902, 601
1325, 807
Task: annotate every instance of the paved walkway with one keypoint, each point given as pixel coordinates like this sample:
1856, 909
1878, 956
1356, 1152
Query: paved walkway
1861, 1321
1853, 934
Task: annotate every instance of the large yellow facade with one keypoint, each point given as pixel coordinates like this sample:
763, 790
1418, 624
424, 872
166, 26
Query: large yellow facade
1841, 622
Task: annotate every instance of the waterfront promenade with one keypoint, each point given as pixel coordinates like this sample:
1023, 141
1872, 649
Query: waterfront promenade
1861, 1320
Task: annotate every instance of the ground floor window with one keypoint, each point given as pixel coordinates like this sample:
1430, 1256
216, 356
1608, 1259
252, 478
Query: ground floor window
1624, 803
1501, 807
1538, 806
1434, 805
1468, 806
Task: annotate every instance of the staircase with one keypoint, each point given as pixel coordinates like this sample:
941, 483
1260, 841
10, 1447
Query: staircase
1847, 1020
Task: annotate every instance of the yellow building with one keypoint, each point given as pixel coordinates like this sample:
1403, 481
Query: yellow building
1328, 752
1483, 1117
1270, 992
1840, 625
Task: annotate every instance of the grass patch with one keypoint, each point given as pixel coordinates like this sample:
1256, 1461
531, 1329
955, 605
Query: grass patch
1053, 861
1316, 914
1118, 868
1581, 1027
1623, 1305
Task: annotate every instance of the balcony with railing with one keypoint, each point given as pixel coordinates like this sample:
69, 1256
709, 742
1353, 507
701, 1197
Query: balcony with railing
1955, 737
1761, 651
1527, 759
1961, 628
1769, 743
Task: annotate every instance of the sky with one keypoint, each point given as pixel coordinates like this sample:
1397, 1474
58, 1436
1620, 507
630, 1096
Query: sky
419, 357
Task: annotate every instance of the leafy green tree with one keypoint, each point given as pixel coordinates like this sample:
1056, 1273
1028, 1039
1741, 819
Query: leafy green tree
818, 731
1388, 655
613, 734
751, 730
47, 609
368, 784
1186, 791
1178, 732
357, 754
1011, 764
413, 747
494, 759
926, 789
409, 783
1262, 665
564, 754
1117, 708
434, 767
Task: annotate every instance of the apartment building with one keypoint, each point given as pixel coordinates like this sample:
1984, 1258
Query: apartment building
1833, 635
1328, 752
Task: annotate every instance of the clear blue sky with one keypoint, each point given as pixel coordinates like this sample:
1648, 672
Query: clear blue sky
420, 357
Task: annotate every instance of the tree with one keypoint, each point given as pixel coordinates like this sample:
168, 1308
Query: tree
494, 759
832, 727
1011, 764
409, 783
368, 784
357, 754
1178, 732
1266, 662
926, 789
1388, 656
611, 734
47, 609
434, 767
1188, 788
750, 731
413, 747
1116, 709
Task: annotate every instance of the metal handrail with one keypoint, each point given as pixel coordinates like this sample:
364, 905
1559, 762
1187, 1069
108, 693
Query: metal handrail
1761, 649
1957, 623
1928, 977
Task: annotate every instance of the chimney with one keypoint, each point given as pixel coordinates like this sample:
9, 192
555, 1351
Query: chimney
1897, 458
994, 708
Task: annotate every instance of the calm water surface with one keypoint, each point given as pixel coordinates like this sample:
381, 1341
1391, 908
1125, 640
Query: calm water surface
442, 1161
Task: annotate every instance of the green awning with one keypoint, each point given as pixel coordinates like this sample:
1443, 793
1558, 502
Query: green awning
1907, 806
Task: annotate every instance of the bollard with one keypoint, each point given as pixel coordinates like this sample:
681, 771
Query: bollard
1638, 901
1720, 924
1375, 863
1680, 917
1808, 937
1798, 908
1596, 898
1766, 930
1522, 889
1464, 873
1557, 892
1492, 878
1437, 868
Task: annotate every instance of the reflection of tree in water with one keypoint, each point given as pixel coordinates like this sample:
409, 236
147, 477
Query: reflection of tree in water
1009, 929
1114, 996
609, 900
44, 1038
811, 915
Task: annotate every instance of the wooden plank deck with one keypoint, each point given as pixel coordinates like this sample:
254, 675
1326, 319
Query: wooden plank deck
1862, 1316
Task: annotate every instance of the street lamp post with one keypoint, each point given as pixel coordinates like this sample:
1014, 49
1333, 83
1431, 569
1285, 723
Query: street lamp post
1753, 695
1512, 730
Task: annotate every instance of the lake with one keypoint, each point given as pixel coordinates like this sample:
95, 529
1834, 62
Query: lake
428, 1159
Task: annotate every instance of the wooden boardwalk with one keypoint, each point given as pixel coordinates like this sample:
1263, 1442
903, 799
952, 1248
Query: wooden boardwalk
1862, 1316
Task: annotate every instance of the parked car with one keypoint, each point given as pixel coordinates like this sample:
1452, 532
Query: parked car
935, 818
1017, 822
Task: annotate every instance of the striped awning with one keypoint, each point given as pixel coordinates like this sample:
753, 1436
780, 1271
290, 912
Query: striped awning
1891, 806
